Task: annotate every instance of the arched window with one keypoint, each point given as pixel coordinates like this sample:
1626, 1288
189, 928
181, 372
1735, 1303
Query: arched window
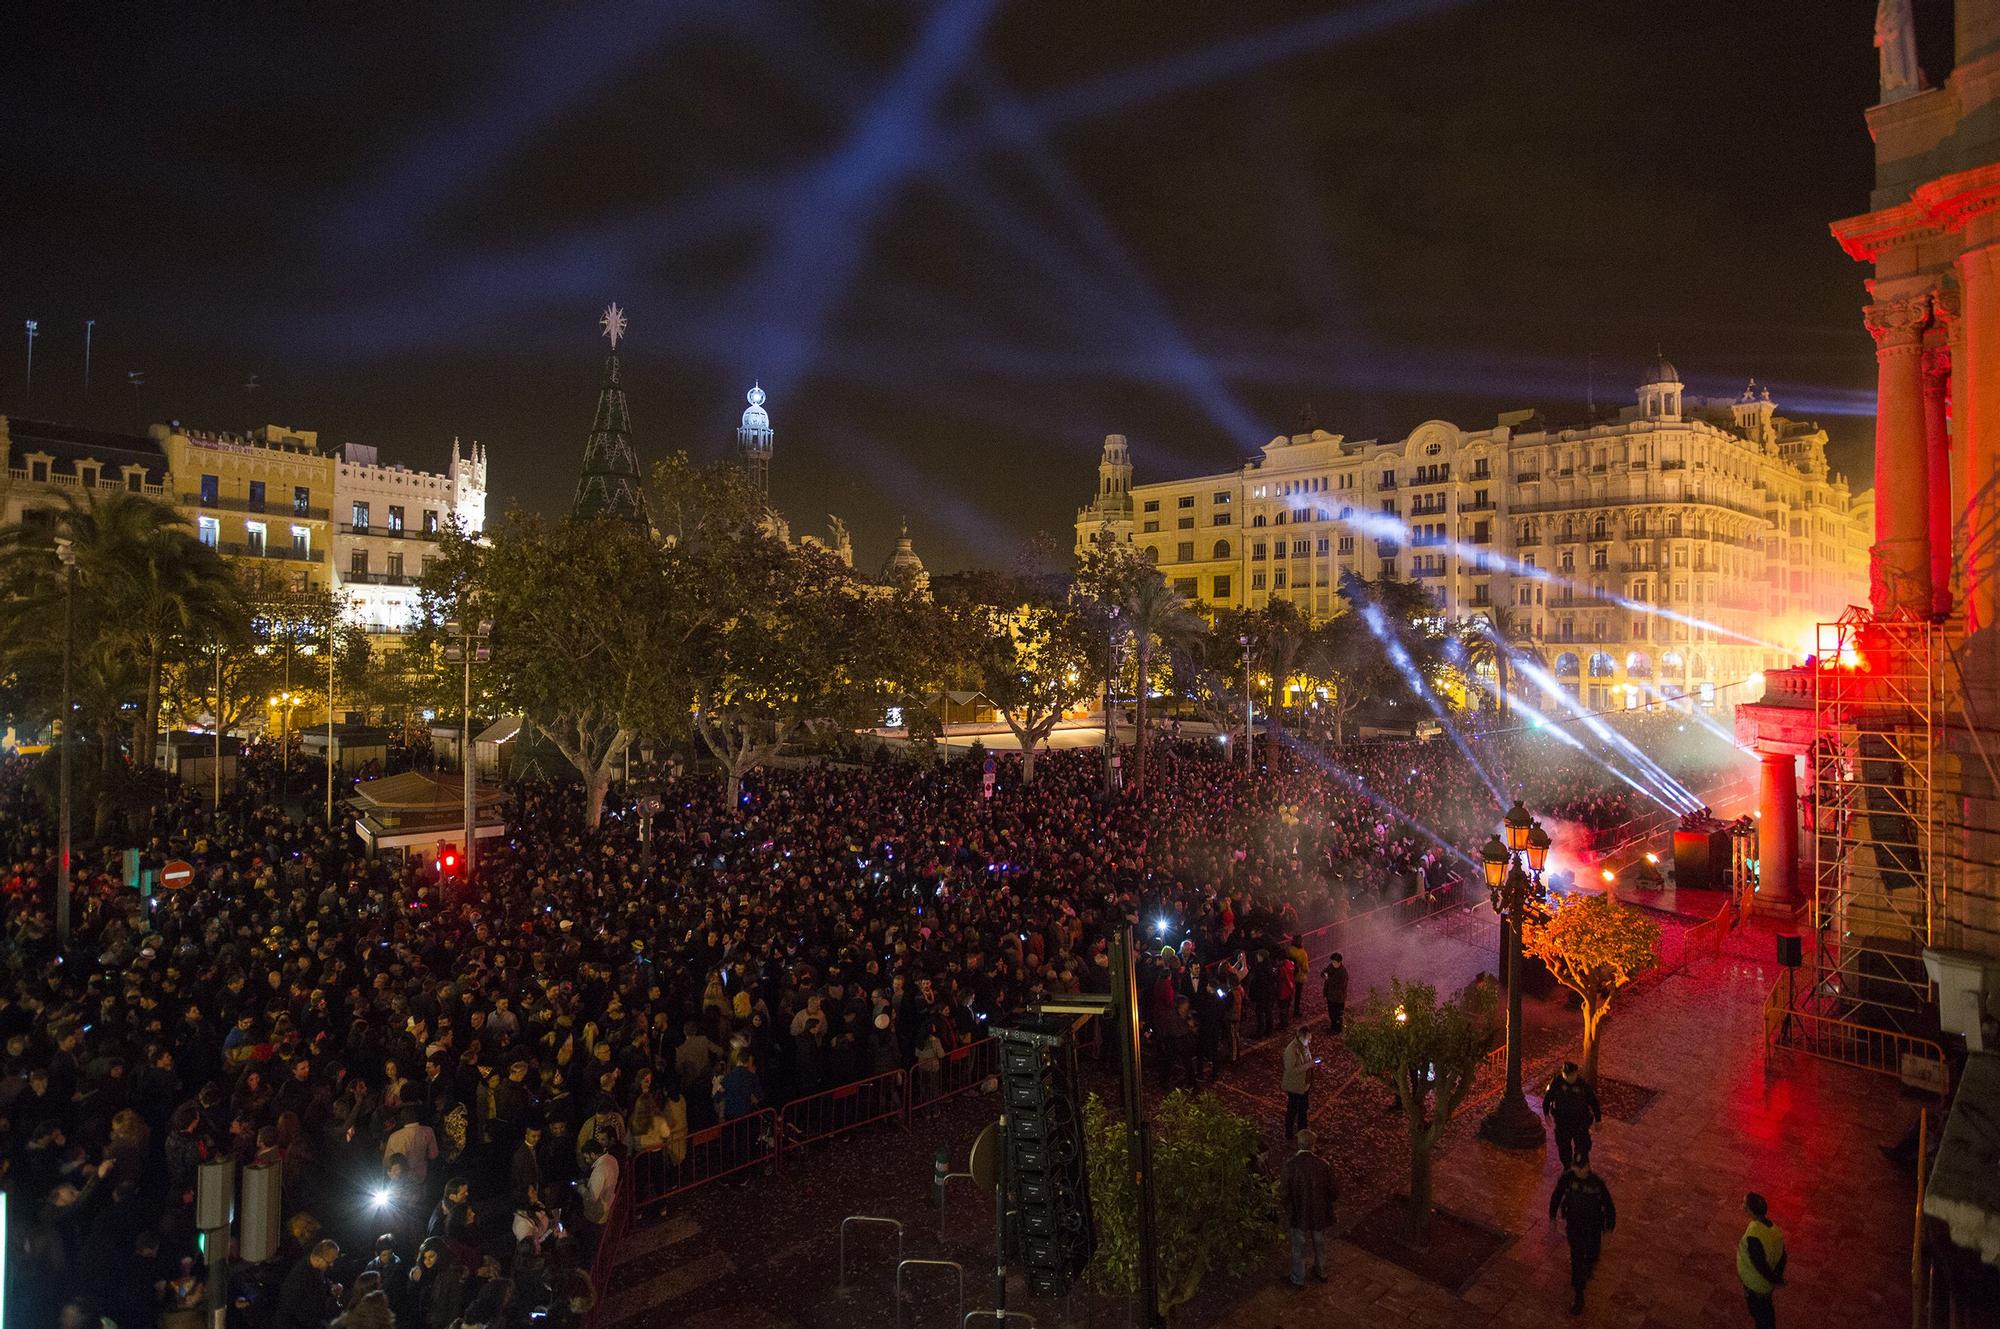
1672, 663
1566, 665
1222, 549
1257, 519
1597, 529
1638, 665
1602, 665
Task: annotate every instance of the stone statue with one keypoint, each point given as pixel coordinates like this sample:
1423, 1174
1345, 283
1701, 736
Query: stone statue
843, 544
1896, 38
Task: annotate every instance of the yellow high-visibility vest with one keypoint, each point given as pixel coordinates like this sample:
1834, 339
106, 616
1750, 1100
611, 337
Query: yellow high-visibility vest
1772, 1239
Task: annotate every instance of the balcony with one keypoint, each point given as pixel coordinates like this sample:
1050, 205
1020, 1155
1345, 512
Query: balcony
400, 533
377, 579
1527, 477
1387, 549
1385, 484
1426, 541
1647, 565
284, 553
1486, 506
1427, 570
19, 475
279, 509
1673, 465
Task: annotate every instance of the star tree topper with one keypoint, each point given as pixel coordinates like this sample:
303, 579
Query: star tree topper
613, 323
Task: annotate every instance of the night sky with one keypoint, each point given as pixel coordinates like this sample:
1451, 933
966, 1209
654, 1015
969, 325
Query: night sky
957, 244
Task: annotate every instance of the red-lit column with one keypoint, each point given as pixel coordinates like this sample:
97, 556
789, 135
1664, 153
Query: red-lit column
1978, 418
1900, 566
1937, 471
1778, 830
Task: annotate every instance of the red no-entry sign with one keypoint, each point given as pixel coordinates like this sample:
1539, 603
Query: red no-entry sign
175, 875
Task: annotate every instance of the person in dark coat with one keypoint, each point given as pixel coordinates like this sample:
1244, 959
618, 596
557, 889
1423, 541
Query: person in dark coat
1306, 1192
1588, 1213
309, 1297
1333, 990
1573, 1105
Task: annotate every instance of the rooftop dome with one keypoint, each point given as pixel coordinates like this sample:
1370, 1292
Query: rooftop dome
1663, 371
903, 566
754, 417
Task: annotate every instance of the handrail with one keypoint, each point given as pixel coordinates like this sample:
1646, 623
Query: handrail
841, 1284
846, 1107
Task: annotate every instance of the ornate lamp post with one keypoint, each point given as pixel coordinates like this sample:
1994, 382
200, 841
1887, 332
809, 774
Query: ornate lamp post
1514, 877
66, 555
1110, 723
1244, 642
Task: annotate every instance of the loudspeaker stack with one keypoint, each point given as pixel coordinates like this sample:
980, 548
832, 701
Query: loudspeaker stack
1052, 1231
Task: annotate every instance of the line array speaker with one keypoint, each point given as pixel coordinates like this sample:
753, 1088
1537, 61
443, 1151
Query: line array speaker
1052, 1230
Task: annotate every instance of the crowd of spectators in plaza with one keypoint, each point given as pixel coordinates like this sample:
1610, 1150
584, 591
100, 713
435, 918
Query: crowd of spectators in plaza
454, 1078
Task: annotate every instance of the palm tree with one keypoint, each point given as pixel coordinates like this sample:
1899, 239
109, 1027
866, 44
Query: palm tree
1157, 615
1282, 633
1485, 640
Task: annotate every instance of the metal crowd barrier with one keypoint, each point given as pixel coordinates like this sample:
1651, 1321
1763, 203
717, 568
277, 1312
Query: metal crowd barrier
959, 1071
719, 1151
848, 1107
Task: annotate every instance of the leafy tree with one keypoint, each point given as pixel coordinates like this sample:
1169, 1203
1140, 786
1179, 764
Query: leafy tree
1117, 579
801, 648
1279, 634
1594, 946
585, 623
1428, 1052
1035, 658
1215, 1210
1203, 668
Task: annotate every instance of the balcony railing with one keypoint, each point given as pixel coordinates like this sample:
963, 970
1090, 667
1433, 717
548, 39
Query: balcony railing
1527, 477
1386, 482
396, 533
19, 475
282, 552
1486, 506
378, 579
279, 509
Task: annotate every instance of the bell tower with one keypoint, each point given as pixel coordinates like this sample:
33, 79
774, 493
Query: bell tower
754, 439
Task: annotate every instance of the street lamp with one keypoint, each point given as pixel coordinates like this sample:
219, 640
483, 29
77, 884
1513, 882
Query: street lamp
1110, 724
66, 555
1514, 880
1244, 642
283, 703
468, 644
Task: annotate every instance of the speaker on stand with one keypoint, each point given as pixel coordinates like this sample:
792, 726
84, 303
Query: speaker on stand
1052, 1229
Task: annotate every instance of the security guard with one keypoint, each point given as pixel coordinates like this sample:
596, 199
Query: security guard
1760, 1261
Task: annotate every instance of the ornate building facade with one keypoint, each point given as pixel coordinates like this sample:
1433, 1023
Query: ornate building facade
1680, 547
388, 520
41, 462
263, 498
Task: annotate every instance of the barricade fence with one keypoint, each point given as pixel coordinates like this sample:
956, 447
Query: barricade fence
959, 1071
847, 1107
730, 1147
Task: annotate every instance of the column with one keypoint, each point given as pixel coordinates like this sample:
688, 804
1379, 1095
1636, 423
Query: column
1900, 567
1937, 472
1978, 418
1778, 830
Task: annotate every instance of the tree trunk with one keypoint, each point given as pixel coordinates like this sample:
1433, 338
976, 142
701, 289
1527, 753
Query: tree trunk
595, 785
1417, 1219
1500, 671
1027, 762
1593, 1024
1145, 654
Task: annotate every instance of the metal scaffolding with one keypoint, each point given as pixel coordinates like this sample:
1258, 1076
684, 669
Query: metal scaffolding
1878, 866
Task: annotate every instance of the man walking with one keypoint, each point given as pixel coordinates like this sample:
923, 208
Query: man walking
1760, 1261
1573, 1104
1298, 1077
1306, 1192
1333, 989
1587, 1212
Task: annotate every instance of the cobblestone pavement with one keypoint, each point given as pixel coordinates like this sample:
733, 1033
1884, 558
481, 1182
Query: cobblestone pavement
1800, 1131
764, 1252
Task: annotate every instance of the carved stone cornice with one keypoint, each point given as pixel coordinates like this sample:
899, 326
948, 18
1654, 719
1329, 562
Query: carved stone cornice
1898, 324
1867, 236
1952, 201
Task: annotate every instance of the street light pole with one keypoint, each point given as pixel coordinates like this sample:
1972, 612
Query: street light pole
1515, 890
218, 733
330, 625
1110, 723
466, 644
1244, 642
66, 552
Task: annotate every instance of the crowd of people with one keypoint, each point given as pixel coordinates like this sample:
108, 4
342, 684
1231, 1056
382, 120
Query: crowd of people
454, 1078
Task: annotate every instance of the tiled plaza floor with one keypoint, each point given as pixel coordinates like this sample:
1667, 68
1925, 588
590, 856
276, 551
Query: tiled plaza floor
1802, 1132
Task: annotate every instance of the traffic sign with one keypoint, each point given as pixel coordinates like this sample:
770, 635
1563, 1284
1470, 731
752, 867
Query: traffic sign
175, 875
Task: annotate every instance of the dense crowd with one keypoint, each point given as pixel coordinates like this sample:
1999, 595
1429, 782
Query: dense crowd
454, 1079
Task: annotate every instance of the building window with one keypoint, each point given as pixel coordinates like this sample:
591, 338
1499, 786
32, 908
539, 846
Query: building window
1184, 552
430, 521
256, 495
135, 480
1222, 587
301, 540
1300, 548
1222, 549
1278, 580
1220, 497
1152, 505
1324, 544
38, 471
1257, 550
1150, 528
357, 562
1220, 519
1278, 518
1185, 587
1346, 545
395, 518
395, 565
211, 531
211, 490
1256, 581
1184, 501
253, 538
1257, 519
1184, 523
360, 516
